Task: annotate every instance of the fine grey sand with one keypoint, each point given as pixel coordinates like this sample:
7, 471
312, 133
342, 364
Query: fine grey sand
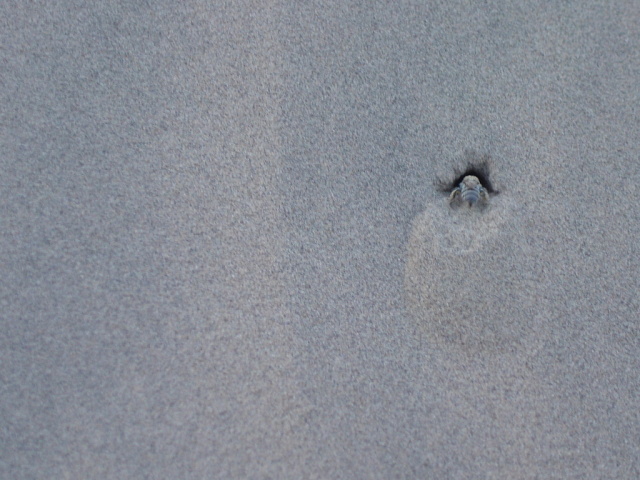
224, 253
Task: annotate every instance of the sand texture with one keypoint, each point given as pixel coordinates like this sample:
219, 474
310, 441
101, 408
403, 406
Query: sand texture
226, 251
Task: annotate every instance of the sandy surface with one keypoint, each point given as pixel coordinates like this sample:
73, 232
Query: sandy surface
224, 254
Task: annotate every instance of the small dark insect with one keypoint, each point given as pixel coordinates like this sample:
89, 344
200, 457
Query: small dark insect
469, 191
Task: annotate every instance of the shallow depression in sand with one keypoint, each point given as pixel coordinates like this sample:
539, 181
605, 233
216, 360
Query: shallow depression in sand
465, 283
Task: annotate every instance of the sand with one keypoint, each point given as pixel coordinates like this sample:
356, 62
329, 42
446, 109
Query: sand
225, 254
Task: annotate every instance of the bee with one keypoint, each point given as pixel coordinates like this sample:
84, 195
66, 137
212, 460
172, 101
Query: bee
470, 191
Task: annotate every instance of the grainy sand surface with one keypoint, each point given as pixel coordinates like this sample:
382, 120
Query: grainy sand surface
224, 253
